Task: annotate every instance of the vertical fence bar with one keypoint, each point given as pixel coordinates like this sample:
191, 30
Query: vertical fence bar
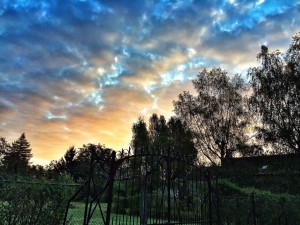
253, 209
209, 198
110, 186
169, 184
144, 204
85, 220
218, 201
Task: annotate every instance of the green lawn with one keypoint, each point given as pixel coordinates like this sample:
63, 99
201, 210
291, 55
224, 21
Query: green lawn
76, 215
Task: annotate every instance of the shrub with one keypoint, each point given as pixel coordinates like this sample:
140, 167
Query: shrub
33, 203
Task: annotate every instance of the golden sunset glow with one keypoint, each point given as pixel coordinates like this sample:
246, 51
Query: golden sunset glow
80, 72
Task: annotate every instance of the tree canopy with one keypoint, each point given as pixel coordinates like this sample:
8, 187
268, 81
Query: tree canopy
217, 115
276, 96
17, 155
161, 136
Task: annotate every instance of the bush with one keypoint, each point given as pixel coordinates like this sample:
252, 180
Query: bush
33, 203
244, 205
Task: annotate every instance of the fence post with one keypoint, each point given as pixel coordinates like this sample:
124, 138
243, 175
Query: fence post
209, 198
144, 202
253, 209
218, 200
111, 178
284, 206
85, 220
169, 184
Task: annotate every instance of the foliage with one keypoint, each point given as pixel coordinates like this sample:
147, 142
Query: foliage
158, 132
76, 163
276, 96
217, 116
243, 205
140, 137
33, 202
4, 147
17, 155
181, 141
161, 136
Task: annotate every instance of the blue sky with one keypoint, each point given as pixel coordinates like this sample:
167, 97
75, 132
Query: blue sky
80, 71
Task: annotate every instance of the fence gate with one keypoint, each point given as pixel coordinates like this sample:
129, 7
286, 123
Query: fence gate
147, 189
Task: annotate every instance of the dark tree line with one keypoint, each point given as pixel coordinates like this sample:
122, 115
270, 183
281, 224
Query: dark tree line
161, 136
217, 116
221, 112
276, 96
15, 156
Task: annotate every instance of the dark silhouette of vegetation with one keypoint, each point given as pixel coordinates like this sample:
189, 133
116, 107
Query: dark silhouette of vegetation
140, 137
161, 136
276, 96
217, 116
4, 146
76, 163
17, 155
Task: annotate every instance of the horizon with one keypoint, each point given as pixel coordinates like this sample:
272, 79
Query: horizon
82, 72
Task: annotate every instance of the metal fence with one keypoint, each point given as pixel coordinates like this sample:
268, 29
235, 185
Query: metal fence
158, 189
148, 189
143, 189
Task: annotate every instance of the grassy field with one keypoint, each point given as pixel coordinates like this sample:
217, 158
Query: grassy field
76, 215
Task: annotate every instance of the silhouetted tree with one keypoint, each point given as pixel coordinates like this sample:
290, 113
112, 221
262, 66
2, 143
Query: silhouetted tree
17, 157
181, 140
158, 132
160, 136
217, 116
140, 137
4, 147
83, 158
276, 96
77, 163
70, 161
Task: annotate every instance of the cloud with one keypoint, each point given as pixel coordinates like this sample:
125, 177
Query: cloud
74, 72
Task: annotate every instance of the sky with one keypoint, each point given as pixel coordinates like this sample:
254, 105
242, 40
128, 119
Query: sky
75, 72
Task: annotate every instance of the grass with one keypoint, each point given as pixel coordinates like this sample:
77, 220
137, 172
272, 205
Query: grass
76, 215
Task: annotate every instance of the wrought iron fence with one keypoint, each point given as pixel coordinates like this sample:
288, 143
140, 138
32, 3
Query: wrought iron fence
158, 189
143, 189
148, 189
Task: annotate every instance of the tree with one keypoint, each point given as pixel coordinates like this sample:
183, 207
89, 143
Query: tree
276, 96
70, 161
158, 132
4, 147
67, 164
217, 116
18, 156
77, 163
161, 135
140, 137
181, 140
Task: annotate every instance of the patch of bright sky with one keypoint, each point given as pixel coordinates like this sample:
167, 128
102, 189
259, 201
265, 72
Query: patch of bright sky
253, 13
95, 98
186, 71
164, 9
116, 70
51, 116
